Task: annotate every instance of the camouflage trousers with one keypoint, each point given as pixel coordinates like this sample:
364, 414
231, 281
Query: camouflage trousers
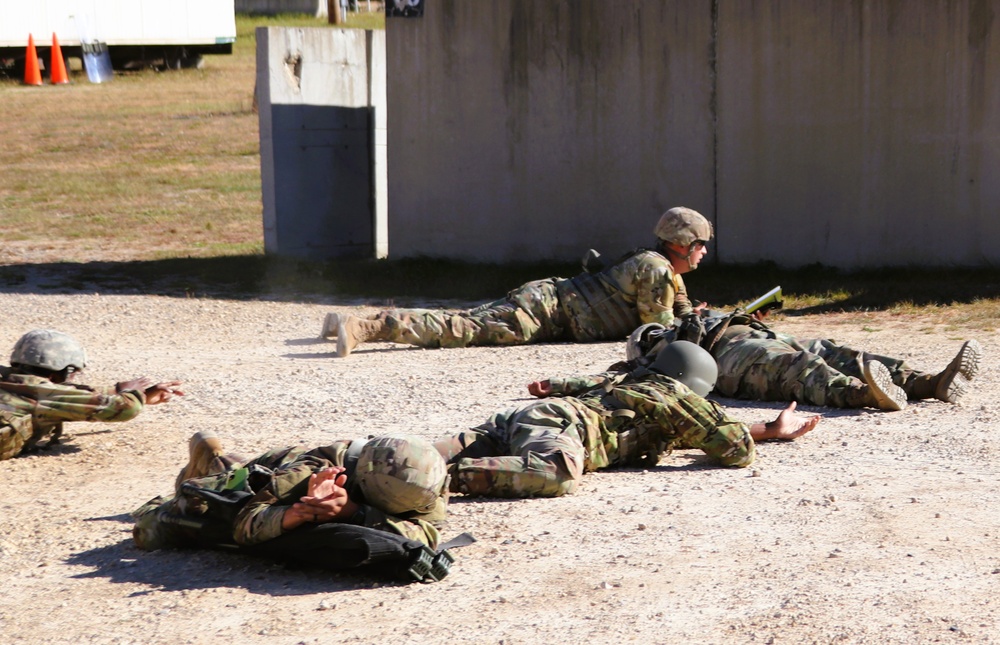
529, 314
766, 365
535, 450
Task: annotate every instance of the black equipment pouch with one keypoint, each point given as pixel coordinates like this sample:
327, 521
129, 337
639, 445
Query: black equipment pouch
430, 566
341, 547
224, 505
691, 328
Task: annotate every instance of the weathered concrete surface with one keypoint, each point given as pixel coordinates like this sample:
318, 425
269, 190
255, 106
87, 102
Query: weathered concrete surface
321, 96
859, 134
527, 130
851, 134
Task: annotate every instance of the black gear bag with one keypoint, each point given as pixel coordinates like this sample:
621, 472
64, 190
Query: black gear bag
334, 546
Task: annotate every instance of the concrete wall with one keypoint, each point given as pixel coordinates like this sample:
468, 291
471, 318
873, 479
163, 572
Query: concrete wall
859, 133
528, 130
321, 103
848, 133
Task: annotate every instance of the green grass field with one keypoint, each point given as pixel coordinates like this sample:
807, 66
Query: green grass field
163, 169
167, 162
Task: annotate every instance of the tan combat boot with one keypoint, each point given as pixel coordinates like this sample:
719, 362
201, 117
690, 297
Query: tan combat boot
203, 449
330, 324
953, 381
353, 331
882, 392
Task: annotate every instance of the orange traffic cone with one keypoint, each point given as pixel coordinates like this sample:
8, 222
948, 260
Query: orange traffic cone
58, 74
32, 74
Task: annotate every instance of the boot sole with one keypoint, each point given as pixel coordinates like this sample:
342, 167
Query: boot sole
969, 357
888, 396
963, 368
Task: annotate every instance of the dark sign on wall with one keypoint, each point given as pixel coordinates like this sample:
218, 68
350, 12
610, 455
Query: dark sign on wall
404, 8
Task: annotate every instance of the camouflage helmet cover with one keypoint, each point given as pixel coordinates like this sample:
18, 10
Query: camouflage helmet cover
402, 474
48, 349
688, 363
683, 226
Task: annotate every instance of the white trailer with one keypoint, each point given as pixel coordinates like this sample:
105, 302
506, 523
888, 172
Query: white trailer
171, 33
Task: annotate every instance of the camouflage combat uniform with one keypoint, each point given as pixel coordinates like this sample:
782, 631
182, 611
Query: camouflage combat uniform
605, 305
277, 479
32, 407
543, 447
761, 364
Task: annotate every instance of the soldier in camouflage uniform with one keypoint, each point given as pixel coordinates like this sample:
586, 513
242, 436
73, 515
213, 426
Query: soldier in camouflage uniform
393, 484
37, 396
645, 286
759, 363
542, 448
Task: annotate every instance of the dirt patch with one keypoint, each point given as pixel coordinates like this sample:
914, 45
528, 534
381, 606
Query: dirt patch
877, 527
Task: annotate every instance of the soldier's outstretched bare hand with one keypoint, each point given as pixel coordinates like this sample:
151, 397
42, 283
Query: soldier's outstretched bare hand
540, 388
789, 425
162, 392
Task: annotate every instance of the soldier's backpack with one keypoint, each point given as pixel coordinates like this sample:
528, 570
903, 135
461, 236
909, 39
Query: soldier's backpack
340, 547
15, 432
337, 546
332, 546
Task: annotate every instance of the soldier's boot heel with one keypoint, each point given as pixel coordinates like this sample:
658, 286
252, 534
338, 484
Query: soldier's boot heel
353, 331
330, 325
203, 449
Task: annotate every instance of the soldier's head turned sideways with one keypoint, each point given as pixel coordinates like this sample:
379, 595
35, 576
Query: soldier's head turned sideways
683, 236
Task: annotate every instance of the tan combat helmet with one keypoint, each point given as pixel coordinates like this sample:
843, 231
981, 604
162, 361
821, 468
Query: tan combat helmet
403, 474
48, 349
683, 226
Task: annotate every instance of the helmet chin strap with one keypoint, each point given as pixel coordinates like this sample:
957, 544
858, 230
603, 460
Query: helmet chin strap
687, 258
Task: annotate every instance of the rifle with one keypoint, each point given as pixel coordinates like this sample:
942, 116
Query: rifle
702, 330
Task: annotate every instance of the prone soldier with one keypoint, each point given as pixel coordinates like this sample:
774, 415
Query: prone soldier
309, 505
603, 303
37, 393
581, 424
759, 363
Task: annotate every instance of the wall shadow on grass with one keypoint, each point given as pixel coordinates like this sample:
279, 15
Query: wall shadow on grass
847, 291
256, 277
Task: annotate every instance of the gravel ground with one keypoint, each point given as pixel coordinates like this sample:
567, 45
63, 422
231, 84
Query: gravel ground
875, 528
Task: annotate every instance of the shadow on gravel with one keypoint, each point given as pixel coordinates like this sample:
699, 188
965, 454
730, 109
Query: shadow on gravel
442, 283
180, 570
778, 406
